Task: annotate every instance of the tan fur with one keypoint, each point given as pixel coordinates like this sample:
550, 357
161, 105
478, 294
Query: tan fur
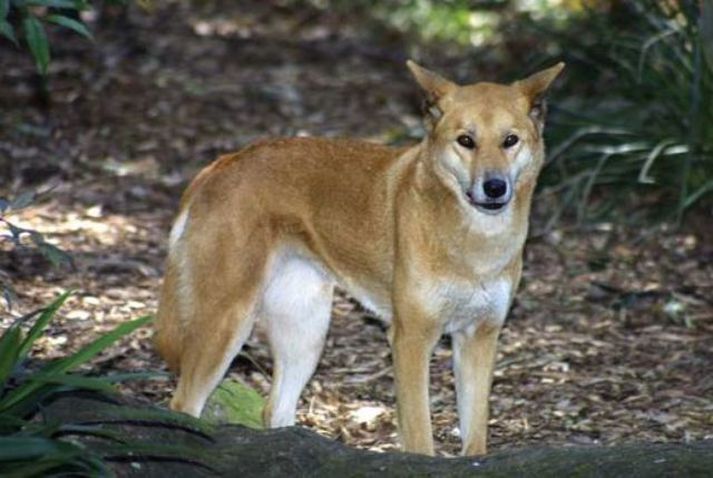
266, 232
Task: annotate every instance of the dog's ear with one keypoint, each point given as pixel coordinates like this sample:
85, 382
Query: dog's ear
434, 85
535, 87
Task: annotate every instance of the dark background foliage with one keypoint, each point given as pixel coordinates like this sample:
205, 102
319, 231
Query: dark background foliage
109, 108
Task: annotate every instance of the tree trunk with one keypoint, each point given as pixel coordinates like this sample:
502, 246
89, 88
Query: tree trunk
167, 444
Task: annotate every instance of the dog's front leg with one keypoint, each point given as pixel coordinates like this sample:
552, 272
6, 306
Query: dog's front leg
473, 360
413, 336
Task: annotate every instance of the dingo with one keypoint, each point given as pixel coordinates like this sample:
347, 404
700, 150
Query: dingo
429, 237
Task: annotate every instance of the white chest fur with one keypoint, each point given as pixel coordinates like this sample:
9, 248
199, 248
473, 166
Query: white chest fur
463, 308
458, 307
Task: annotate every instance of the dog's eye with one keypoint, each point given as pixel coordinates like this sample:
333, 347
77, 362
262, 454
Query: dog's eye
510, 140
466, 141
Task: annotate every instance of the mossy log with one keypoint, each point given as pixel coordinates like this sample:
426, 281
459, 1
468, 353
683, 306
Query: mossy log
158, 443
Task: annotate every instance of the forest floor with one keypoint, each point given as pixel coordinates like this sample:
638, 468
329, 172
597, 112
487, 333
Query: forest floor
610, 339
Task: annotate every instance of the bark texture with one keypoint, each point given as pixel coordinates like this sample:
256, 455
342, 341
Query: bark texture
166, 444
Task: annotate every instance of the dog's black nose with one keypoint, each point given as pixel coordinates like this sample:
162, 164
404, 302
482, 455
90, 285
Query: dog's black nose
495, 188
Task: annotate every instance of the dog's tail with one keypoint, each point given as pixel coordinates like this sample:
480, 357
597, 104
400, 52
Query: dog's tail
172, 316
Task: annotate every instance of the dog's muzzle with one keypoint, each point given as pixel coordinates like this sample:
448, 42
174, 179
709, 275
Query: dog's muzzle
491, 194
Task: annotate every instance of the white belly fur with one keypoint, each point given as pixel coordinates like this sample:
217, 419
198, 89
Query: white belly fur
459, 307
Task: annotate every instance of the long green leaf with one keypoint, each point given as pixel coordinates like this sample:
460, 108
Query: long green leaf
64, 365
40, 324
706, 26
121, 377
37, 41
92, 430
202, 457
68, 4
54, 254
10, 345
7, 31
40, 456
44, 467
4, 9
23, 448
13, 348
160, 415
70, 23
12, 422
23, 200
707, 188
94, 348
75, 381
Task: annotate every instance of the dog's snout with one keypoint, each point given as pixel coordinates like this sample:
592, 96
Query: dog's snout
495, 187
491, 193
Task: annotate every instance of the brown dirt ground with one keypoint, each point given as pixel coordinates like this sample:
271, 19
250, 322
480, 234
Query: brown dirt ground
611, 336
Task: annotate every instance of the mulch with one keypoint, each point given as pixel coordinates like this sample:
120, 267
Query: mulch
611, 336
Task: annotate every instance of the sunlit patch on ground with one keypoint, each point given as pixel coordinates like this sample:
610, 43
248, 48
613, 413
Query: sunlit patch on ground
611, 336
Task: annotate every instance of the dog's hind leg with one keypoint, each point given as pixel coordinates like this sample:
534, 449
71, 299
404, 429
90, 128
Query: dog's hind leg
221, 302
297, 308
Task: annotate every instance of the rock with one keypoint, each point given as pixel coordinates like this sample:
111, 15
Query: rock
236, 404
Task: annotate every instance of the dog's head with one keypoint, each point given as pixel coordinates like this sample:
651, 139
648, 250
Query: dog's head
486, 138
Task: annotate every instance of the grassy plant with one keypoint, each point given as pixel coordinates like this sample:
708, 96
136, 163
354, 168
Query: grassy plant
30, 446
641, 123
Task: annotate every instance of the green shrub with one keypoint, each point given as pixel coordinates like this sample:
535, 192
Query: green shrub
32, 447
639, 120
29, 16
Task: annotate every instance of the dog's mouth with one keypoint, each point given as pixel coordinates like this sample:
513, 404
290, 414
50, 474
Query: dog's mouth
489, 206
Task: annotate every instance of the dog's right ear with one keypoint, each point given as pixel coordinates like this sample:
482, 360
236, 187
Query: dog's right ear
434, 85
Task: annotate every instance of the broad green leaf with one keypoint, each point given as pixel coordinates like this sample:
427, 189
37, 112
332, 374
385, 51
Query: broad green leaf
37, 41
7, 31
10, 346
4, 9
70, 23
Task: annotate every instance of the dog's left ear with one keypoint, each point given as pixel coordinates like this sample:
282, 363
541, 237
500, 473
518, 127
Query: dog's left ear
535, 87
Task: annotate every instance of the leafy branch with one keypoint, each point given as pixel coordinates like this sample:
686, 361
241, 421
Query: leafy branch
16, 236
29, 16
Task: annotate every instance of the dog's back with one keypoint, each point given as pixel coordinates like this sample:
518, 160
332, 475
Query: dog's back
277, 177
